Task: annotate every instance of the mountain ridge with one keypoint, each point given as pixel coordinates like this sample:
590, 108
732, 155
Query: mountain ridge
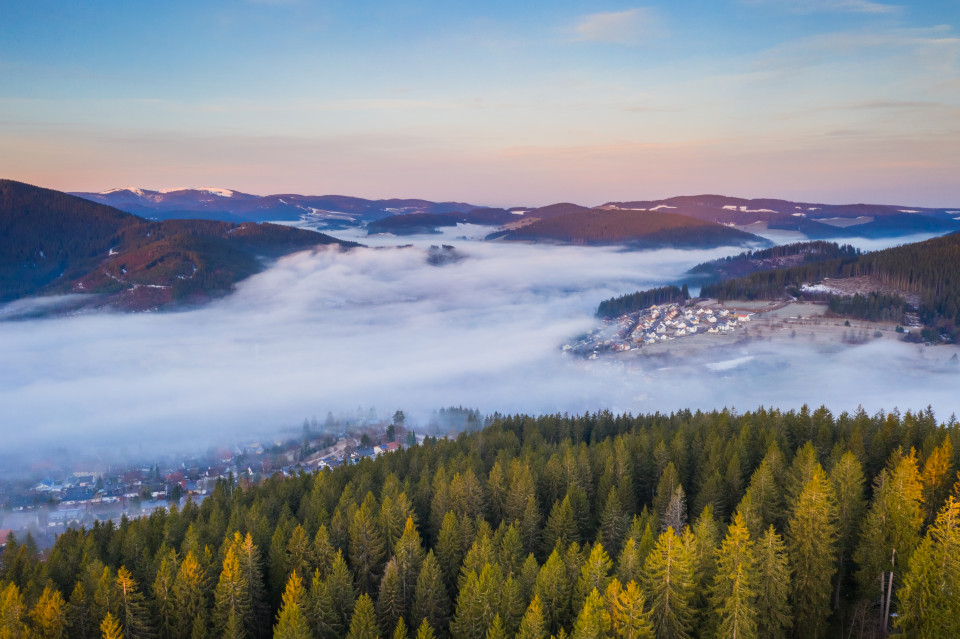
56, 243
811, 219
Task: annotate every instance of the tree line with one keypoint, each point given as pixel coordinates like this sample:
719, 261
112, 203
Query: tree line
719, 524
760, 259
930, 269
617, 306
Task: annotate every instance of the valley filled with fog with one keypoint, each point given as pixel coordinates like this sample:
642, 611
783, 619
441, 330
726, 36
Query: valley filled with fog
333, 331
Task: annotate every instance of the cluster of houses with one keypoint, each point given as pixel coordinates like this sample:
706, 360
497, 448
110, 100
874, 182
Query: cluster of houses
669, 321
658, 323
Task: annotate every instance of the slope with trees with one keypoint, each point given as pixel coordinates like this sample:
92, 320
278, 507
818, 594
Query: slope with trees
763, 524
57, 243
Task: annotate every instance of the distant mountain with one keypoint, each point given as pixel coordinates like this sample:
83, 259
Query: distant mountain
332, 211
57, 243
639, 229
425, 223
815, 220
414, 223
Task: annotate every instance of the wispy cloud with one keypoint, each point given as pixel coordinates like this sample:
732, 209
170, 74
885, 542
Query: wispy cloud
618, 27
833, 6
926, 48
894, 104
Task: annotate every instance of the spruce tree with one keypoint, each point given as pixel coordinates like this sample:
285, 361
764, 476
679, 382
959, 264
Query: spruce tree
811, 546
561, 527
626, 609
591, 622
49, 615
409, 556
675, 514
13, 613
400, 630
496, 629
258, 615
847, 479
512, 604
390, 604
425, 631
292, 621
449, 549
109, 628
366, 547
299, 552
324, 619
79, 618
511, 554
629, 565
188, 596
165, 606
533, 625
930, 596
130, 607
339, 585
762, 505
733, 591
477, 603
363, 623
553, 590
431, 602
322, 550
594, 575
231, 611
773, 586
668, 585
613, 523
937, 477
890, 531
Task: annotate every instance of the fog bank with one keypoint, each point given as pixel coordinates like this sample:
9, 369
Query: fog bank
331, 331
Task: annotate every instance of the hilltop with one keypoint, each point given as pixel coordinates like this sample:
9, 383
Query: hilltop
639, 229
55, 243
814, 220
333, 211
809, 219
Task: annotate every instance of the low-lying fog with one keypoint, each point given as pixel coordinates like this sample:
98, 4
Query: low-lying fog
333, 331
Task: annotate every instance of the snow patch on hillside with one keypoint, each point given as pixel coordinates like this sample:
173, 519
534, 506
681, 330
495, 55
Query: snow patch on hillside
217, 191
132, 189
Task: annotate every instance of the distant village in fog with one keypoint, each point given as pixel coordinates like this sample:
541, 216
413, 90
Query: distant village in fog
65, 497
658, 323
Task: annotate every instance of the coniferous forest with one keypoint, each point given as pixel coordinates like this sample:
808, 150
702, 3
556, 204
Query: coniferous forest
931, 269
763, 524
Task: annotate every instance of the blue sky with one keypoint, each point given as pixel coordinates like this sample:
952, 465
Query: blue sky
824, 100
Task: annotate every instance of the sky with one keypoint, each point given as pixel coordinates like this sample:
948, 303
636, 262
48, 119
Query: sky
494, 103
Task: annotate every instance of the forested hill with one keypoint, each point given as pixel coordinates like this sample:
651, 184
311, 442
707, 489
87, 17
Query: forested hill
639, 229
930, 269
775, 257
766, 524
51, 242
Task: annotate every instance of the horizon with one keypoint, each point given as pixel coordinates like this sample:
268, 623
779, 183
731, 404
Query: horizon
500, 205
824, 101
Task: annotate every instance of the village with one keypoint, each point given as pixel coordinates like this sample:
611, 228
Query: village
657, 324
68, 497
